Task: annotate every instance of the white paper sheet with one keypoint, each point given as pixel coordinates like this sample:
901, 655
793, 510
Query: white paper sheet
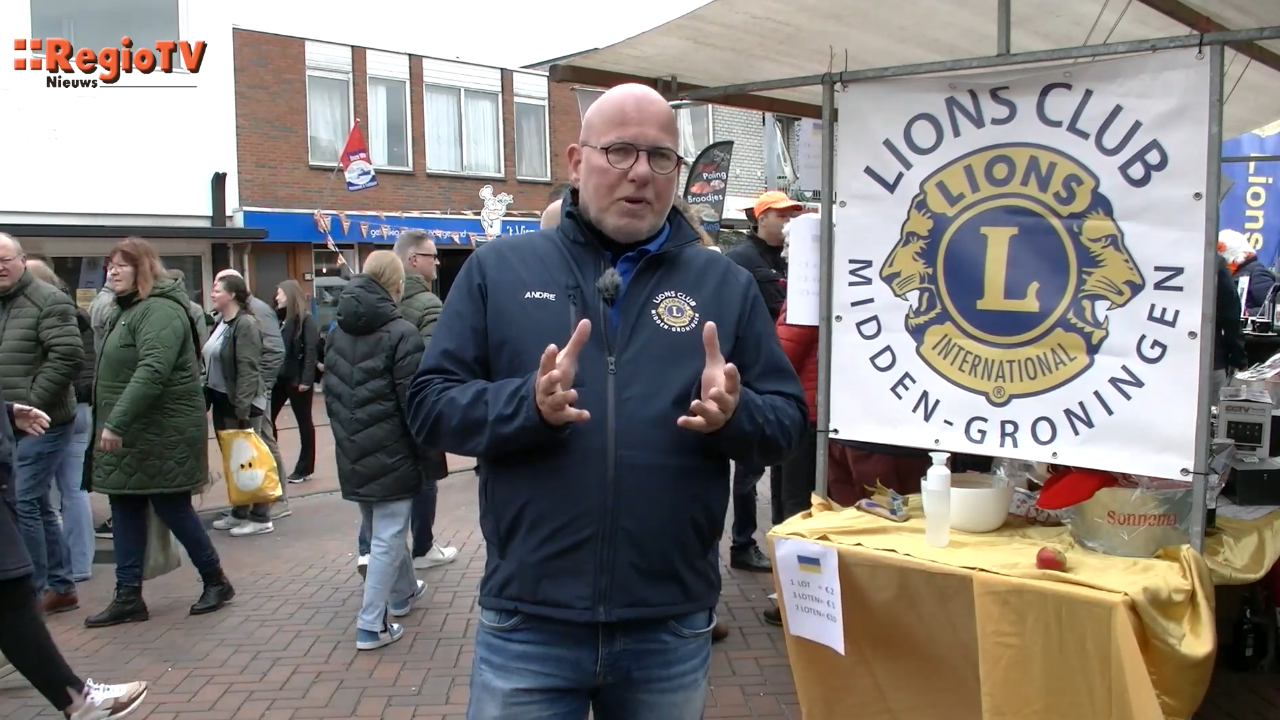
804, 276
809, 576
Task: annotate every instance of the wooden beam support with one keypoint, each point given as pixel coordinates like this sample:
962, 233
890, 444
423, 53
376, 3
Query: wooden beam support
1199, 22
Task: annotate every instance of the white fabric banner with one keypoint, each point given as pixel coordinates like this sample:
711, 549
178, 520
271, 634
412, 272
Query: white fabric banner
1019, 260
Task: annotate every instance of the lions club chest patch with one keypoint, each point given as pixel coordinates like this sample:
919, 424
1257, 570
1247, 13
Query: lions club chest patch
675, 311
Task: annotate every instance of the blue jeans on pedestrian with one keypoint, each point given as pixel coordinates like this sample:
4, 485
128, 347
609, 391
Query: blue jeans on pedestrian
36, 463
423, 516
536, 668
129, 525
77, 516
389, 577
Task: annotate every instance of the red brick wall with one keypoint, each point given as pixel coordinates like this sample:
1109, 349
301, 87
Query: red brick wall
271, 135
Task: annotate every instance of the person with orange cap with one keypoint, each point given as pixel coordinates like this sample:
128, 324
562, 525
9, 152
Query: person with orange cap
760, 255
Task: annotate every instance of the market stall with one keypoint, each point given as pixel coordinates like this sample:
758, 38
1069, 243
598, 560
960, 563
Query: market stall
1020, 264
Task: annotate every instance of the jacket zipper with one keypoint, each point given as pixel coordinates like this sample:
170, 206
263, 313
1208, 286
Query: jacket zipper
611, 458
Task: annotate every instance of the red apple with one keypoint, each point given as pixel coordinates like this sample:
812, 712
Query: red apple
1051, 559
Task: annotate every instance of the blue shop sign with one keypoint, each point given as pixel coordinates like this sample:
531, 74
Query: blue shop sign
293, 226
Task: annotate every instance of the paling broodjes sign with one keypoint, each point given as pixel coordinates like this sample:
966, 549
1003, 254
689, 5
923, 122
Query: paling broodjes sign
1019, 263
57, 57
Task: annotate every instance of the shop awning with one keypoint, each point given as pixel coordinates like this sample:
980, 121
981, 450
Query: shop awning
119, 232
380, 228
730, 42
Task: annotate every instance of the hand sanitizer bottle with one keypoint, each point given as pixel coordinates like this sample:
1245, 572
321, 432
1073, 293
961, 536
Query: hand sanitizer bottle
936, 494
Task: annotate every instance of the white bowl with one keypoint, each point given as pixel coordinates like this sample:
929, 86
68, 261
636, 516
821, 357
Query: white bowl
979, 502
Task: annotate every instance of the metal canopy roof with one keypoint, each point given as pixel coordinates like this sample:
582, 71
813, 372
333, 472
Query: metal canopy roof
730, 42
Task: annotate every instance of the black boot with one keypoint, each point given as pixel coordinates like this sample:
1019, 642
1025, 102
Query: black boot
126, 607
217, 593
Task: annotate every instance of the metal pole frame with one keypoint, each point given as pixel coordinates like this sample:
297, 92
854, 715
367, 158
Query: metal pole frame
826, 263
1004, 27
1208, 316
1213, 42
1250, 158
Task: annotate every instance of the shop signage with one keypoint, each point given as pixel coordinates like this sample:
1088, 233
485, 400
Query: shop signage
1252, 203
379, 228
1019, 263
56, 56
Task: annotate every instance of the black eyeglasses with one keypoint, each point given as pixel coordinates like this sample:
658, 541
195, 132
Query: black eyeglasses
623, 156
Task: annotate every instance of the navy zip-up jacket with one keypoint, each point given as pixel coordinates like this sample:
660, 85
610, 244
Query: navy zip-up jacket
615, 518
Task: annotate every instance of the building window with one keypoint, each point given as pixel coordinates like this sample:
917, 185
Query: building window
388, 132
586, 98
533, 142
389, 122
329, 113
694, 123
96, 25
464, 130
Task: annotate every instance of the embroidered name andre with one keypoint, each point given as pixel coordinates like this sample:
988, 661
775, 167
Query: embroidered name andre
539, 295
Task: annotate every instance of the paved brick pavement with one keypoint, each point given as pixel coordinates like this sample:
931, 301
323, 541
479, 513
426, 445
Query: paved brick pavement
285, 649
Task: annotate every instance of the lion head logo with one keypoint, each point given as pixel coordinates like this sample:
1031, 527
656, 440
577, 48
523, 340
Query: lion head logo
1010, 260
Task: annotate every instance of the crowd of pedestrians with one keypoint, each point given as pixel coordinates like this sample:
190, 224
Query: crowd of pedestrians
119, 399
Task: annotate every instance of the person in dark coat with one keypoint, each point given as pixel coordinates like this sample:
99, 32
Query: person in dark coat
760, 255
371, 358
297, 379
1228, 342
24, 639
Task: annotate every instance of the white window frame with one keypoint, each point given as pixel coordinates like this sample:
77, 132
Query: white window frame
351, 110
546, 139
184, 33
408, 112
462, 133
711, 128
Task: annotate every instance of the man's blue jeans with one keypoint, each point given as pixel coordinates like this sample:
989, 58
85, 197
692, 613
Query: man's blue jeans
422, 517
77, 516
535, 668
36, 463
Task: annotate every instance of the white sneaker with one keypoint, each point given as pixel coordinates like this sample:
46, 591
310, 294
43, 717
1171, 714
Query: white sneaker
362, 566
226, 522
436, 557
109, 702
252, 528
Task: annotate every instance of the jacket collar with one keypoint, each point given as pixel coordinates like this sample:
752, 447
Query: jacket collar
577, 229
23, 283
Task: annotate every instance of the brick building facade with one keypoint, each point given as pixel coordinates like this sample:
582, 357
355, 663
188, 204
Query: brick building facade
438, 132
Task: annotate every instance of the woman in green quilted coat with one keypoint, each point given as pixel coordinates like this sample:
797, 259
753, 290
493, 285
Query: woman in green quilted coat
150, 429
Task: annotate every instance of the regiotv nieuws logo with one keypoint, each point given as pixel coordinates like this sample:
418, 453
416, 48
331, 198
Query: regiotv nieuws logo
108, 63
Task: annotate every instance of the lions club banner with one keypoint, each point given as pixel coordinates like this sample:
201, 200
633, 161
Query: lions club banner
1019, 263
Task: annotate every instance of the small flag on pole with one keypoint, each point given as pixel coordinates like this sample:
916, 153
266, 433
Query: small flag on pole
355, 162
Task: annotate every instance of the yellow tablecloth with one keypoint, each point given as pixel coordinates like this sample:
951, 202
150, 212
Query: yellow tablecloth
928, 637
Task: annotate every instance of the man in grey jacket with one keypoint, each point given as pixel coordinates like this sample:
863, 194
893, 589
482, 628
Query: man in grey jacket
272, 359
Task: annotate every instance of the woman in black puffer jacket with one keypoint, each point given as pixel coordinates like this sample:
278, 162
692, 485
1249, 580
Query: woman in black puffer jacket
370, 359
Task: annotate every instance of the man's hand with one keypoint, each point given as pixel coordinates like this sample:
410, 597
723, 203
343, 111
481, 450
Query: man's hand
721, 387
553, 388
30, 420
109, 441
303, 388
